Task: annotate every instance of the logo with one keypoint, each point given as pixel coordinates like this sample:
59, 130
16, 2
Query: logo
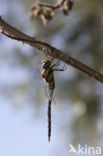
85, 150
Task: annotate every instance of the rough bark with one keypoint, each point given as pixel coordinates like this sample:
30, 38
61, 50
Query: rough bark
48, 50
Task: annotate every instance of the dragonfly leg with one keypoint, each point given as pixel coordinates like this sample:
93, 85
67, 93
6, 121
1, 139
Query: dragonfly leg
62, 69
56, 64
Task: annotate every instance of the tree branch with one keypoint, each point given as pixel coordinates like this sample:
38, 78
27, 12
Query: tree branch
47, 49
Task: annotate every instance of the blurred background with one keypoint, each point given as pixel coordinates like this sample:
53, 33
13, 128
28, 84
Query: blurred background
77, 117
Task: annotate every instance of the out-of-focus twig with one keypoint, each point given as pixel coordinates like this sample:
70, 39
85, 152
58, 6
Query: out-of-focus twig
46, 11
48, 50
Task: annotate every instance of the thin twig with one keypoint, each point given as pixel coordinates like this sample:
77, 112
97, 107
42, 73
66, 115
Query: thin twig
56, 6
48, 50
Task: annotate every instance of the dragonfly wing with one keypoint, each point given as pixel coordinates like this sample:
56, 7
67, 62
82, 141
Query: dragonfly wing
46, 88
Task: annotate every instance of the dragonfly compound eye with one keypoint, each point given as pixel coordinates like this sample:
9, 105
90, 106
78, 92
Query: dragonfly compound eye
46, 63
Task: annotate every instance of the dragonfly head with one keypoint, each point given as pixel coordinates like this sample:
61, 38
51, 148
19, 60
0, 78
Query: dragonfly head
46, 63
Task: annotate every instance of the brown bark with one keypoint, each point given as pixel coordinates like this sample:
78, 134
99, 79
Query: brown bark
48, 50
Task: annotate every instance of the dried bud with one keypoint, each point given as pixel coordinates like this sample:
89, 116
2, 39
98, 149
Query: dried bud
67, 6
44, 19
48, 13
37, 11
70, 4
65, 11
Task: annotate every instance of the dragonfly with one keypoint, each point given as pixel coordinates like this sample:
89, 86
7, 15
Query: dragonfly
47, 75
